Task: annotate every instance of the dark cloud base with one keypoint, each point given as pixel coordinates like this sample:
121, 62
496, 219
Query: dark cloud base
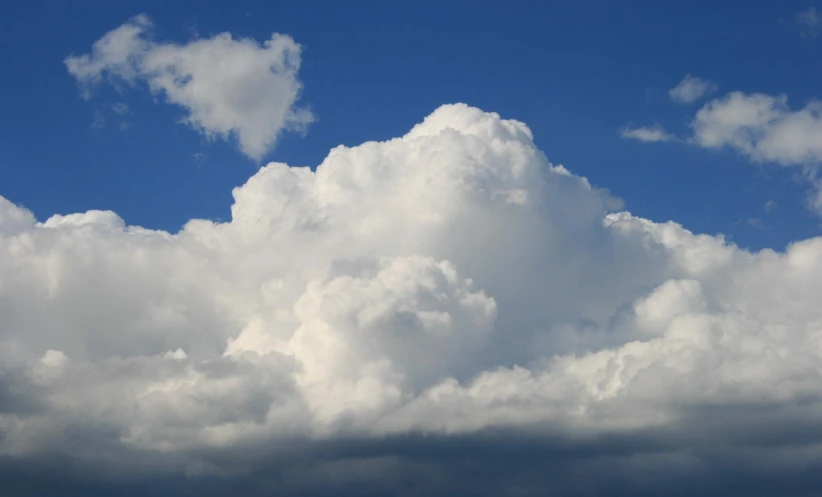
140, 363
682, 462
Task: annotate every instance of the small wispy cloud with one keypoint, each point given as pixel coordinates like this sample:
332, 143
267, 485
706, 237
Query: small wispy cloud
755, 222
691, 89
121, 108
648, 134
810, 22
770, 205
198, 158
99, 121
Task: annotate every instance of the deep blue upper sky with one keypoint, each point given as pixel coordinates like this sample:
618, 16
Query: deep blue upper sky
575, 72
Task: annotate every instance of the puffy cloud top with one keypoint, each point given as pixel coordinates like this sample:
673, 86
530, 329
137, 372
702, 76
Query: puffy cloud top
810, 22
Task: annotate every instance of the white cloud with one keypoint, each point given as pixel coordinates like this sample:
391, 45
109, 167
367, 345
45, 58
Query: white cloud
227, 86
447, 281
116, 54
762, 127
765, 129
810, 22
691, 89
646, 134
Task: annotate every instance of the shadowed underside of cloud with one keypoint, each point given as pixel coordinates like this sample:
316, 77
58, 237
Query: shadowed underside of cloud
227, 86
445, 312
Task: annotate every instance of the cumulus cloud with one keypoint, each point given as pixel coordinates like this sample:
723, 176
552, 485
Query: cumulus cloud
409, 301
228, 87
691, 89
647, 134
762, 127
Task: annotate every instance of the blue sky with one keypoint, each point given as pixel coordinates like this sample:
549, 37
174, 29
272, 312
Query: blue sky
428, 306
575, 72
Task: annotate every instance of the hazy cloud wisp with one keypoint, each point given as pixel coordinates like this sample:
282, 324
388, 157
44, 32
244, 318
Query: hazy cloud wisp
691, 89
810, 22
763, 128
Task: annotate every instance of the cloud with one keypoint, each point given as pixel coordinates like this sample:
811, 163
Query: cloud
647, 134
762, 127
810, 22
691, 89
198, 158
444, 310
755, 222
121, 108
228, 87
99, 121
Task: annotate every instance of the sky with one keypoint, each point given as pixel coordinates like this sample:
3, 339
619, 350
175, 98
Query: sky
410, 248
